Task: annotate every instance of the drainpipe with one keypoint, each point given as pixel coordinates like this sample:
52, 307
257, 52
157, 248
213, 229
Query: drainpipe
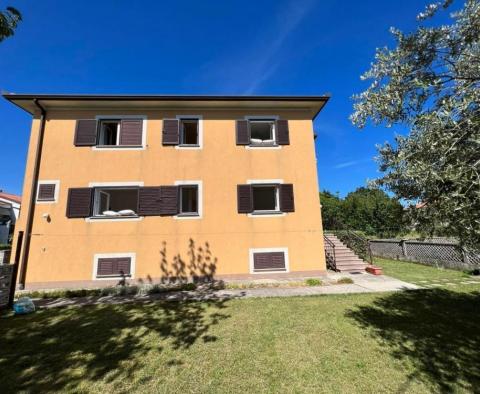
33, 196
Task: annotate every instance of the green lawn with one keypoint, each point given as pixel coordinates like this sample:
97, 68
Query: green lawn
414, 341
416, 273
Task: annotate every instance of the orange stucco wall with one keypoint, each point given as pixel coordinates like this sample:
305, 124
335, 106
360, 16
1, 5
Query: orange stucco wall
62, 250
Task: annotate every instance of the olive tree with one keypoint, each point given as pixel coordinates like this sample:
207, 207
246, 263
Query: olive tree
9, 20
430, 83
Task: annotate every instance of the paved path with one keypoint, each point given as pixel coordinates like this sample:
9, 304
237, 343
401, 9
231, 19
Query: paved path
364, 283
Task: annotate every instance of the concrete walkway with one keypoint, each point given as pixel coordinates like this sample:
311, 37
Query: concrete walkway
363, 283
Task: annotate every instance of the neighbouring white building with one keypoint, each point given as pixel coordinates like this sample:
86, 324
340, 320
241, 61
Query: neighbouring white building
9, 211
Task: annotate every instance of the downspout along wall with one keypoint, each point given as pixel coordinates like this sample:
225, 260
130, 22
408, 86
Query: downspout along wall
33, 195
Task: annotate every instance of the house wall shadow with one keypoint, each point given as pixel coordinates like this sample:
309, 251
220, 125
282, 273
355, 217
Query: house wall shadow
437, 330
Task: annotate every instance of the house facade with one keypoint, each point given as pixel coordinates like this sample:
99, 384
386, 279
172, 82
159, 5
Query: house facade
149, 188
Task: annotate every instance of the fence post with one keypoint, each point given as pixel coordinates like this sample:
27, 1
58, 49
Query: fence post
404, 249
465, 258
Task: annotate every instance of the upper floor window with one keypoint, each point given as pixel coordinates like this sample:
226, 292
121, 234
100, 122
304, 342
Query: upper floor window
107, 132
262, 132
183, 132
189, 132
256, 132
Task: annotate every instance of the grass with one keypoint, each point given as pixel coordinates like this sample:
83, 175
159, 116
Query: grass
412, 341
416, 273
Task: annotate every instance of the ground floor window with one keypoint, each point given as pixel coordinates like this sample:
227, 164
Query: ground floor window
115, 202
188, 200
265, 198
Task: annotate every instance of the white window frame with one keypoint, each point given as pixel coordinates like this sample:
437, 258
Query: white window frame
199, 185
267, 182
97, 256
113, 219
57, 191
99, 118
200, 132
274, 132
268, 250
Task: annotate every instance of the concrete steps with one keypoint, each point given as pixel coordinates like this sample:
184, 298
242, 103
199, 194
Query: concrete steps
346, 259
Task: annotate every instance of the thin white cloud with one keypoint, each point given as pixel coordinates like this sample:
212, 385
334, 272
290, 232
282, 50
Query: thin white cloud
351, 163
244, 68
290, 17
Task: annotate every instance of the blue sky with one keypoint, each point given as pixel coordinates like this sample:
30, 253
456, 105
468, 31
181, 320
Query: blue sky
299, 47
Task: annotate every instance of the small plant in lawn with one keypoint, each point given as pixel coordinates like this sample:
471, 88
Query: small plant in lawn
313, 282
344, 281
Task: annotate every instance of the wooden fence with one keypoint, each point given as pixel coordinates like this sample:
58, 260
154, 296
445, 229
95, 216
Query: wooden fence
432, 252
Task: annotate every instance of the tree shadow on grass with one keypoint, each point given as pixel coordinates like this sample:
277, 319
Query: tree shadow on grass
437, 330
59, 349
69, 349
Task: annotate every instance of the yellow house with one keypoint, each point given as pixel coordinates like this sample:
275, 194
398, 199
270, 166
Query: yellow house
150, 188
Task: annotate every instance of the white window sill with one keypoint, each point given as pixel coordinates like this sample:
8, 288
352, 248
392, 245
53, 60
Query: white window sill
188, 147
259, 147
267, 214
283, 270
46, 201
130, 276
118, 147
115, 219
193, 216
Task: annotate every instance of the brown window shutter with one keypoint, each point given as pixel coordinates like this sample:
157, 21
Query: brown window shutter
114, 266
270, 261
131, 132
168, 200
149, 201
46, 192
283, 135
79, 204
287, 203
243, 132
86, 132
244, 198
171, 132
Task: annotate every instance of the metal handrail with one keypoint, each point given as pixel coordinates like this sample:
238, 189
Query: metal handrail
330, 253
360, 245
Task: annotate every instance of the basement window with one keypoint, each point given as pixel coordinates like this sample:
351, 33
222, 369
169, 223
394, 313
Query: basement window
109, 132
115, 202
189, 132
265, 199
262, 132
188, 200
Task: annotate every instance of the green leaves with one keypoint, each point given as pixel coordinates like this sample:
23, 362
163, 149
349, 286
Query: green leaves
9, 20
431, 83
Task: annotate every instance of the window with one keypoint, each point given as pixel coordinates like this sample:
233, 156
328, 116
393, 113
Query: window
268, 260
188, 200
109, 132
115, 202
47, 191
110, 266
189, 132
265, 198
262, 132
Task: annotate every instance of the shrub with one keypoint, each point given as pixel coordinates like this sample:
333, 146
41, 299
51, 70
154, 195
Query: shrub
344, 281
313, 282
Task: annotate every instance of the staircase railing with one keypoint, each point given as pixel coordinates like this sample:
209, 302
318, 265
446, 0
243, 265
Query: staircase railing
356, 242
330, 253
